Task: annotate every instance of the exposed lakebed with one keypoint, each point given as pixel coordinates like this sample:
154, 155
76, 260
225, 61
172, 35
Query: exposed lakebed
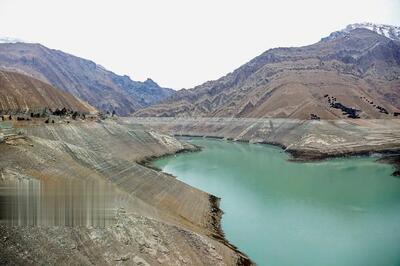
334, 212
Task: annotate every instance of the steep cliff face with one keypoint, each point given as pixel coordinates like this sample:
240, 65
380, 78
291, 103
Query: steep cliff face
354, 74
21, 93
80, 77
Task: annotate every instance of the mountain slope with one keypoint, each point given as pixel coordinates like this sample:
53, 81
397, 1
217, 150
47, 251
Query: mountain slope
80, 77
355, 74
19, 92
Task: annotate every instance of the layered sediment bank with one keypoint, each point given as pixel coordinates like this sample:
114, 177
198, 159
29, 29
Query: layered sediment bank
156, 220
304, 139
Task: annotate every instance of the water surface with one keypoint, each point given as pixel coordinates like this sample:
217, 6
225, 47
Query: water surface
335, 212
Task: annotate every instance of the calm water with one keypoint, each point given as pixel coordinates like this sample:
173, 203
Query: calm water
336, 212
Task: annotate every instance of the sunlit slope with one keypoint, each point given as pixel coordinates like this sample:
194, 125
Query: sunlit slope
356, 74
21, 93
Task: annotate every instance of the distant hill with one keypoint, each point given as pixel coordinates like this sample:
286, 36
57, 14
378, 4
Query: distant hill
352, 73
23, 93
80, 77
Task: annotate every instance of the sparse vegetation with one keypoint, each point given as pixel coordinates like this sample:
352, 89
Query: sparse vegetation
314, 117
349, 111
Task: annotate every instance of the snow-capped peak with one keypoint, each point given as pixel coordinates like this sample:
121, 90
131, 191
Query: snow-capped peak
391, 32
10, 40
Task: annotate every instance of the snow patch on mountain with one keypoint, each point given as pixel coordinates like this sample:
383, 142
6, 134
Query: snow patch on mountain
389, 31
10, 40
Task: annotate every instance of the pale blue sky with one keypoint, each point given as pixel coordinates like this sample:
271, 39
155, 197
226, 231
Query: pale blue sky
182, 43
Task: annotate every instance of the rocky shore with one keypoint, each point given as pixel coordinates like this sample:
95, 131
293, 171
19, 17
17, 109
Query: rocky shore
157, 220
394, 160
305, 140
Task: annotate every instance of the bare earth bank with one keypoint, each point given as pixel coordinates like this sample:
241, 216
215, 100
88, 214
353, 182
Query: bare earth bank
303, 139
159, 221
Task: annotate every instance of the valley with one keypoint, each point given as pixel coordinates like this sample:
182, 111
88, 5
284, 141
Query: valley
99, 169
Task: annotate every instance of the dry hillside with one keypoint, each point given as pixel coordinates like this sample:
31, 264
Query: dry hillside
21, 93
83, 78
350, 74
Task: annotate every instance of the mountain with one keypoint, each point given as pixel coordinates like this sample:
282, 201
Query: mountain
19, 92
83, 78
389, 31
351, 74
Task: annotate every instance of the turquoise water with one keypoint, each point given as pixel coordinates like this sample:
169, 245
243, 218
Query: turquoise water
335, 212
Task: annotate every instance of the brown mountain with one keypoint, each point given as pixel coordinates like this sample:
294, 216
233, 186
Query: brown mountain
20, 92
80, 77
352, 73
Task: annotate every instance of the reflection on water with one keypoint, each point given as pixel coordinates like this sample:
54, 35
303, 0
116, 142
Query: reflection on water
61, 202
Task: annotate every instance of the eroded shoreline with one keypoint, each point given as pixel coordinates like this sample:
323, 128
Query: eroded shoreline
163, 219
116, 151
215, 210
304, 140
205, 169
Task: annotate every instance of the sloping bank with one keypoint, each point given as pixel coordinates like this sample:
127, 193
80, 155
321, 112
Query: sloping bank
303, 139
159, 220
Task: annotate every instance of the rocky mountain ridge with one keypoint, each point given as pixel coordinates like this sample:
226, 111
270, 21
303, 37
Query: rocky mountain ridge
356, 74
83, 78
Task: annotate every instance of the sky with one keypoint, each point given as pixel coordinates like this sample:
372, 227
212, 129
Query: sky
182, 43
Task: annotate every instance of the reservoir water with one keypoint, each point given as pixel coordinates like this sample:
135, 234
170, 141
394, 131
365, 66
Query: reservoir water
333, 212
